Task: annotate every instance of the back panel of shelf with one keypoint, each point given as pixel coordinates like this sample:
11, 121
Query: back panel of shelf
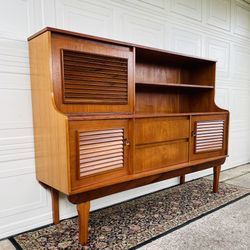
157, 67
173, 100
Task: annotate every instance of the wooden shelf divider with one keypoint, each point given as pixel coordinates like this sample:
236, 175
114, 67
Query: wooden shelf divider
176, 85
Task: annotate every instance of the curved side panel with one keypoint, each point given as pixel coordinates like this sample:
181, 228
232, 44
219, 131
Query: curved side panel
50, 126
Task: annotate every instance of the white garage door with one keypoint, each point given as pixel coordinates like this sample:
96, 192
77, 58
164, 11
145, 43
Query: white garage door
217, 29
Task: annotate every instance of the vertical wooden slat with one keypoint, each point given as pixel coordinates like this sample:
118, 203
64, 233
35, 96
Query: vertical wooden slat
55, 205
216, 179
83, 217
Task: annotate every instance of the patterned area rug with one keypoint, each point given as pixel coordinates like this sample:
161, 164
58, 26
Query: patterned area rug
131, 224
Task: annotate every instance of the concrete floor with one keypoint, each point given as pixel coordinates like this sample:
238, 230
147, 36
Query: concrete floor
6, 245
239, 176
226, 228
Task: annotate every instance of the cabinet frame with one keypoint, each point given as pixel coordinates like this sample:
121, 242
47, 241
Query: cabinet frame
161, 84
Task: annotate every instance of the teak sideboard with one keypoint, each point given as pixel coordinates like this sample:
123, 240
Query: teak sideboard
110, 116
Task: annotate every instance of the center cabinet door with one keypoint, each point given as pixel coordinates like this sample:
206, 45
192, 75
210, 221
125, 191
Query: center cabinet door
99, 152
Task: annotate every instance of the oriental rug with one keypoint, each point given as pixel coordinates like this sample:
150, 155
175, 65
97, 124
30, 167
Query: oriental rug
136, 222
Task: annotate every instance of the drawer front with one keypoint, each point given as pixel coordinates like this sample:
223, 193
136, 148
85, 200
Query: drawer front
161, 129
98, 151
160, 155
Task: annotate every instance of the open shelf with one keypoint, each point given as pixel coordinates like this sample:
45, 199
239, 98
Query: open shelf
175, 85
148, 115
154, 68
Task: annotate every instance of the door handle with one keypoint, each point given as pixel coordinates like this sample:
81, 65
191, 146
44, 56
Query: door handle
126, 142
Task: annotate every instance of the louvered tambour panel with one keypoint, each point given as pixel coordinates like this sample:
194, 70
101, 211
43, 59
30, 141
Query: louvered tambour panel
92, 78
209, 135
100, 150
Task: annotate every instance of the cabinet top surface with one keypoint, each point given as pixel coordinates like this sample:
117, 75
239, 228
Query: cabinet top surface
117, 42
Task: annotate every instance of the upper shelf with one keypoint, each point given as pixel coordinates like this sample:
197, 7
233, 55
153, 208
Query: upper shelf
176, 85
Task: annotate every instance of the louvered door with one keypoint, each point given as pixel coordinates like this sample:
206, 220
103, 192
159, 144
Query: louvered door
92, 76
208, 136
99, 151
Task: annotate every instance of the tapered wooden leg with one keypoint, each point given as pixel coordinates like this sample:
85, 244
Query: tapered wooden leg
182, 179
83, 217
55, 205
216, 179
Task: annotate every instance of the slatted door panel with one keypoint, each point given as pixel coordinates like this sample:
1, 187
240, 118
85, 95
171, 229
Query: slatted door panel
100, 151
209, 136
93, 78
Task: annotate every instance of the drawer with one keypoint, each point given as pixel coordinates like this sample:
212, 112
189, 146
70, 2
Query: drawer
161, 129
91, 76
160, 155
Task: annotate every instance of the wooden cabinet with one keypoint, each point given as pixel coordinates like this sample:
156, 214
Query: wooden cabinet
110, 116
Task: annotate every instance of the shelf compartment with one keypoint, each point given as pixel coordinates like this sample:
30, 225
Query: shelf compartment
156, 68
161, 99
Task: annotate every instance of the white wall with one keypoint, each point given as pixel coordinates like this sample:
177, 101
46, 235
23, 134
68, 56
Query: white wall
218, 29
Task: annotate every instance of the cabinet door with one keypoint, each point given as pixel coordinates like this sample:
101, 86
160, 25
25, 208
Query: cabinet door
92, 76
98, 151
208, 136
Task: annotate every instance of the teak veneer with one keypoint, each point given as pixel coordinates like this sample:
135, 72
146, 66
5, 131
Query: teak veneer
110, 116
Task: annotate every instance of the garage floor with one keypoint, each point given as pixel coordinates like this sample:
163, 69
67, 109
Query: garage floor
239, 176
